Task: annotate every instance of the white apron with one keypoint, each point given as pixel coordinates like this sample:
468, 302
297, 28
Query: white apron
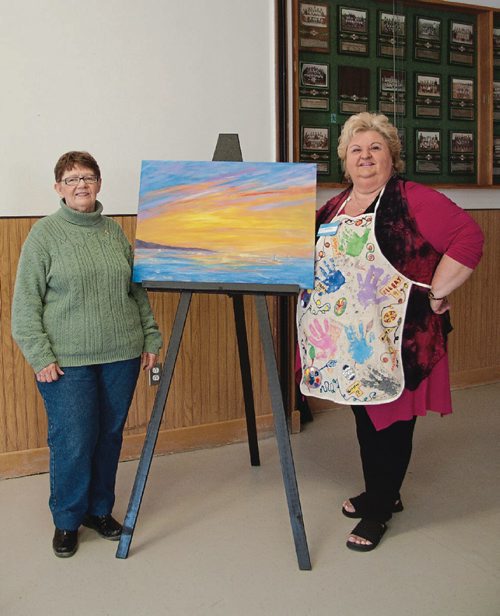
350, 325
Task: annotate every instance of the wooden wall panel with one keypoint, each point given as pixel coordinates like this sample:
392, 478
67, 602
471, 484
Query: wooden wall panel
206, 388
475, 342
22, 418
205, 405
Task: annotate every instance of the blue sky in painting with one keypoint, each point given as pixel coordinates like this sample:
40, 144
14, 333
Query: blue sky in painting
161, 175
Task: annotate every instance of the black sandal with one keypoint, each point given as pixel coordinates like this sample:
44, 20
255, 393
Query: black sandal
359, 504
371, 531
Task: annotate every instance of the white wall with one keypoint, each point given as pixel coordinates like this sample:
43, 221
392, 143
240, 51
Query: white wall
490, 3
127, 81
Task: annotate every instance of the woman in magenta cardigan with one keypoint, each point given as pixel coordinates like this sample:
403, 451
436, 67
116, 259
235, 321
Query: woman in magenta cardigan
372, 333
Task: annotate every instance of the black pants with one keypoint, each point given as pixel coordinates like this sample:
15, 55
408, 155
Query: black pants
385, 456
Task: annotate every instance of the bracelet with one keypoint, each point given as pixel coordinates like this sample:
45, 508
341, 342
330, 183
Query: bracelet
431, 295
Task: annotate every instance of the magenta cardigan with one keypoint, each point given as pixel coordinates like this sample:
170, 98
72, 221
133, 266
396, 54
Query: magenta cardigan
451, 231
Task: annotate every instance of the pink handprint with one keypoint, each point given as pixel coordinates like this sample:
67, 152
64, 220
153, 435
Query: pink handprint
324, 337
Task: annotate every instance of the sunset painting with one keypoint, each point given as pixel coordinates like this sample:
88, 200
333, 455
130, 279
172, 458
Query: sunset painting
226, 222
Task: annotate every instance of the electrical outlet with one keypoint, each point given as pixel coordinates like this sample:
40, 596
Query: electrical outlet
155, 374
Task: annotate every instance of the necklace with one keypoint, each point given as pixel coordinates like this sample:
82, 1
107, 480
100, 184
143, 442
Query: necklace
359, 208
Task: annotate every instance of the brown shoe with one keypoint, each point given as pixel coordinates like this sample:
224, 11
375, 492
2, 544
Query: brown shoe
105, 525
65, 542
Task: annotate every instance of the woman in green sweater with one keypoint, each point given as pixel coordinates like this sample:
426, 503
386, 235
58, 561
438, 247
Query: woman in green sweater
86, 329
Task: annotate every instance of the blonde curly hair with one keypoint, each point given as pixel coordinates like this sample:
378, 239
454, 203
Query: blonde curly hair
378, 122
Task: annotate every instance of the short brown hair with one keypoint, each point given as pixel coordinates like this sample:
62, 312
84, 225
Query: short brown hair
378, 122
69, 161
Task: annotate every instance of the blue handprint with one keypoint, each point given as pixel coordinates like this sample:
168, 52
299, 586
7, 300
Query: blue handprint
359, 346
332, 278
368, 287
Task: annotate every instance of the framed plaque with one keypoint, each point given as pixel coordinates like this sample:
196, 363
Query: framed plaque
462, 153
496, 100
427, 151
314, 26
391, 35
354, 89
496, 46
461, 98
427, 39
353, 31
461, 43
402, 140
322, 163
314, 75
427, 95
496, 158
314, 104
323, 168
314, 89
392, 91
315, 146
315, 139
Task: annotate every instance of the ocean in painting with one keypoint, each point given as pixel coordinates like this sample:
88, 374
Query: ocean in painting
174, 265
226, 222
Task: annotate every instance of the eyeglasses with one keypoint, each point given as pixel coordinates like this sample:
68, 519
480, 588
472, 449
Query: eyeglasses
74, 181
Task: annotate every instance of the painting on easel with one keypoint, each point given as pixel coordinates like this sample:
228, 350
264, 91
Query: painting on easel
227, 222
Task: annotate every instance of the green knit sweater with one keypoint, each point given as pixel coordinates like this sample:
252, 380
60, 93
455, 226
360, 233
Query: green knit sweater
74, 302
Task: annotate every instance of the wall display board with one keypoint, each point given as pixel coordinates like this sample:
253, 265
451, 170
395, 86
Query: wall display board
417, 63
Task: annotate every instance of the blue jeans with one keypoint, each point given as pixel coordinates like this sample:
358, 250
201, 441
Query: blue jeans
86, 409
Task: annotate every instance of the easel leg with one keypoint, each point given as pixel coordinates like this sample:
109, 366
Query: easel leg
246, 378
282, 437
153, 426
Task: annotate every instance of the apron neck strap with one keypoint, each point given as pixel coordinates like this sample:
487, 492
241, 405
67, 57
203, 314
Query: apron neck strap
342, 207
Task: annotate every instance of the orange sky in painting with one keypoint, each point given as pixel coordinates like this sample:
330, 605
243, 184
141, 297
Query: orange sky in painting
246, 222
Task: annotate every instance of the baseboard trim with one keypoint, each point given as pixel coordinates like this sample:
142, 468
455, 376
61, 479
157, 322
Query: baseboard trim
197, 437
35, 461
474, 378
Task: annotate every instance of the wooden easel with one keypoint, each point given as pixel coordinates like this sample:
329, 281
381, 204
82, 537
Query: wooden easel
236, 292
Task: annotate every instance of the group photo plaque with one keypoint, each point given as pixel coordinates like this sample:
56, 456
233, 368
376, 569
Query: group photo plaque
427, 151
496, 46
461, 98
315, 147
496, 157
462, 154
496, 100
314, 26
391, 35
461, 43
402, 141
314, 90
427, 95
392, 91
353, 31
428, 39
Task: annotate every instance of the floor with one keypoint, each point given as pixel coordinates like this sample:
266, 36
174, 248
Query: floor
213, 536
